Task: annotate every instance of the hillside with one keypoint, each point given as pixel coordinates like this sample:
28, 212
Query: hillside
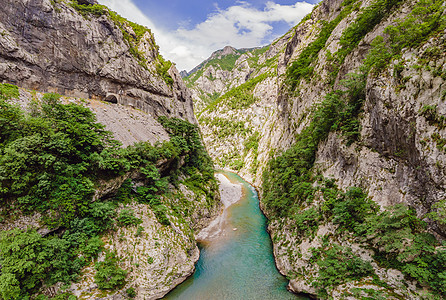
342, 131
104, 181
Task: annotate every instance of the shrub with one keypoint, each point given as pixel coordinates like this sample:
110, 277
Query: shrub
87, 10
162, 68
108, 275
338, 265
127, 218
131, 293
8, 91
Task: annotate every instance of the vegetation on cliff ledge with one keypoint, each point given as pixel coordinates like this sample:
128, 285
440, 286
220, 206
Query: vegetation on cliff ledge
52, 159
294, 190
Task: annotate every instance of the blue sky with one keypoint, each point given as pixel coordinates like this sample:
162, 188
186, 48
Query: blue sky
189, 31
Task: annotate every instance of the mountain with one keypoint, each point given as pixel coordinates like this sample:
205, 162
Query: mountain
103, 176
214, 76
340, 124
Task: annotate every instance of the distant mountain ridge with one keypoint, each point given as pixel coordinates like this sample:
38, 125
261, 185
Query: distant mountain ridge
228, 50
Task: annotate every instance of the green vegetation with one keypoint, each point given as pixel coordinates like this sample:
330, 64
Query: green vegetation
192, 78
338, 265
132, 36
224, 128
96, 10
162, 68
50, 163
109, 276
27, 259
291, 183
131, 293
8, 91
252, 144
302, 67
226, 62
424, 21
127, 218
432, 116
131, 39
240, 97
288, 183
368, 18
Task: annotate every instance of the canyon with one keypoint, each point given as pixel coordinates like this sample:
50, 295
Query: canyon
339, 123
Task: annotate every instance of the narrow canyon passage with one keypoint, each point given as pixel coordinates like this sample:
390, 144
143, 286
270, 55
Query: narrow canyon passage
239, 263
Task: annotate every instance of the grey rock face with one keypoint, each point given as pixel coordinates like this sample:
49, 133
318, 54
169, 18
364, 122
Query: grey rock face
50, 47
400, 157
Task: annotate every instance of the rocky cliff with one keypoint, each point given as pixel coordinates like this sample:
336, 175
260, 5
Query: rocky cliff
347, 129
89, 52
104, 182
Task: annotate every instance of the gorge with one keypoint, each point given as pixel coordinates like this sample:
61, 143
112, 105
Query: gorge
107, 156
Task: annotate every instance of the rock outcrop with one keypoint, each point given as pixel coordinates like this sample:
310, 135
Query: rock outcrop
396, 154
94, 58
89, 52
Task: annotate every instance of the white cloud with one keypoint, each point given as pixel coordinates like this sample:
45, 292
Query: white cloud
241, 26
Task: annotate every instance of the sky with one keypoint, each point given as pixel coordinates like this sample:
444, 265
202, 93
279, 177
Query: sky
189, 31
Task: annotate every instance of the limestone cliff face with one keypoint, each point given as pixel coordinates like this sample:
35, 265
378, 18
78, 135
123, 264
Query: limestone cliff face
50, 46
397, 158
94, 58
156, 257
229, 119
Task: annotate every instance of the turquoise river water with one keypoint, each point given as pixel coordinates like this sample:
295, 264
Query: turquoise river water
240, 264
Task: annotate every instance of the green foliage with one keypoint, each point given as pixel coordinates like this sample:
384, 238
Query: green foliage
363, 24
109, 275
224, 128
252, 144
96, 10
185, 137
8, 91
397, 237
426, 19
27, 260
433, 118
400, 241
338, 265
48, 160
93, 246
192, 78
150, 260
127, 218
226, 62
134, 38
438, 212
288, 182
162, 68
379, 55
307, 222
301, 68
240, 97
131, 293
350, 209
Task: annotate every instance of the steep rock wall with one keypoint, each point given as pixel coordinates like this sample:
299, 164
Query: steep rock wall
395, 157
51, 47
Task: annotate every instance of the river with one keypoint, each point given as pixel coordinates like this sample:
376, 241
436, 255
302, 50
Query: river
239, 264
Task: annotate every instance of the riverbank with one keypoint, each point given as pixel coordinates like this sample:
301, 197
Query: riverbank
238, 264
230, 193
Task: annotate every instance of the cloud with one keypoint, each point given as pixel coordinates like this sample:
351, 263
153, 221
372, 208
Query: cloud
241, 26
